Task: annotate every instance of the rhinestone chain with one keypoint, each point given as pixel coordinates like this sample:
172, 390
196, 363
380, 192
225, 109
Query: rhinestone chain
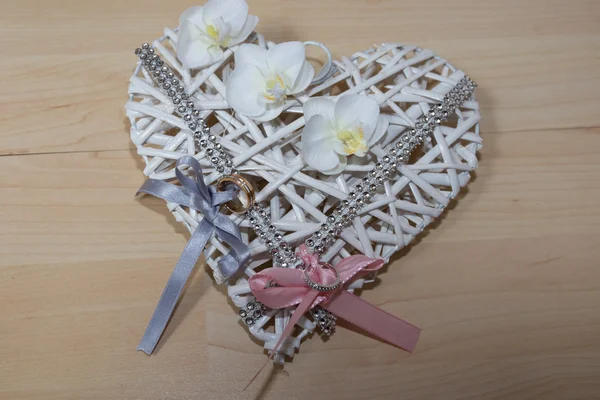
185, 107
283, 254
207, 142
252, 311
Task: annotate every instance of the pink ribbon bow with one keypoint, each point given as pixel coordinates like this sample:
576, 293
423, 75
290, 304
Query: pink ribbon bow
285, 287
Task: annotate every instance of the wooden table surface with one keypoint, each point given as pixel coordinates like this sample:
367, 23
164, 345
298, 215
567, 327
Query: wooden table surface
506, 287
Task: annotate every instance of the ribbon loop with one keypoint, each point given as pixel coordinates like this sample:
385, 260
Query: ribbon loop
283, 287
291, 289
193, 193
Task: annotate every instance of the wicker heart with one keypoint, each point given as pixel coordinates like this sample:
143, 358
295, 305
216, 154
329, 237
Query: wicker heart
406, 80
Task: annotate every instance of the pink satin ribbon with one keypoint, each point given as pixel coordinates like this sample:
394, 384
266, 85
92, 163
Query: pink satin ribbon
285, 287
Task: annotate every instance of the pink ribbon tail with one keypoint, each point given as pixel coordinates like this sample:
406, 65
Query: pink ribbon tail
302, 308
374, 320
282, 287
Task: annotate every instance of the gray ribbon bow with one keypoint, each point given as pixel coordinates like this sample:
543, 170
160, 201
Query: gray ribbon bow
193, 193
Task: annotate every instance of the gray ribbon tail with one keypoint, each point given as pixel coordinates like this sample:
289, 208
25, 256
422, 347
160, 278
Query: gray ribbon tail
192, 193
174, 287
231, 263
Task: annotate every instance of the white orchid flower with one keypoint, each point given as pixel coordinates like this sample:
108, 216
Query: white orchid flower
262, 79
205, 30
335, 130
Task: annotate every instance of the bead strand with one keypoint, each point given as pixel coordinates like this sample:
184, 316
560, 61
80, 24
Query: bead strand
205, 141
283, 254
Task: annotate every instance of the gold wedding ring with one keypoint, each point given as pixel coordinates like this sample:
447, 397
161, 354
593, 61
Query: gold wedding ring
245, 197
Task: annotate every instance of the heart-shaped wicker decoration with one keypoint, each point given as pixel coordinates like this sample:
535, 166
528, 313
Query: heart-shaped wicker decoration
405, 80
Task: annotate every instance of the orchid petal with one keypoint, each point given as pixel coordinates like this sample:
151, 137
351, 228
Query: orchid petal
305, 77
192, 48
317, 144
195, 16
216, 54
233, 13
342, 162
287, 59
272, 111
339, 147
380, 130
318, 131
357, 110
324, 106
246, 30
243, 90
252, 54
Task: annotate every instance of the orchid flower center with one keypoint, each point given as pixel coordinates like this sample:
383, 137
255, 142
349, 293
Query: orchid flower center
275, 89
215, 32
353, 141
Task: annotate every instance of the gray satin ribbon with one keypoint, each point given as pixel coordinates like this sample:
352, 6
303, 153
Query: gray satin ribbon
193, 193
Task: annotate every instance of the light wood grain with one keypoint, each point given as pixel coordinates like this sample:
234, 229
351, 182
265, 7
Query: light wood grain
515, 315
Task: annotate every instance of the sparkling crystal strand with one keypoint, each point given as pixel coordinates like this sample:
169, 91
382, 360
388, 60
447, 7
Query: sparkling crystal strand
221, 160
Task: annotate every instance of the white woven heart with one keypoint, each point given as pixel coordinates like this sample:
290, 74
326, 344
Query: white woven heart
405, 80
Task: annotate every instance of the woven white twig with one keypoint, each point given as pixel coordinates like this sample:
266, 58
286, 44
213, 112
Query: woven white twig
405, 80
